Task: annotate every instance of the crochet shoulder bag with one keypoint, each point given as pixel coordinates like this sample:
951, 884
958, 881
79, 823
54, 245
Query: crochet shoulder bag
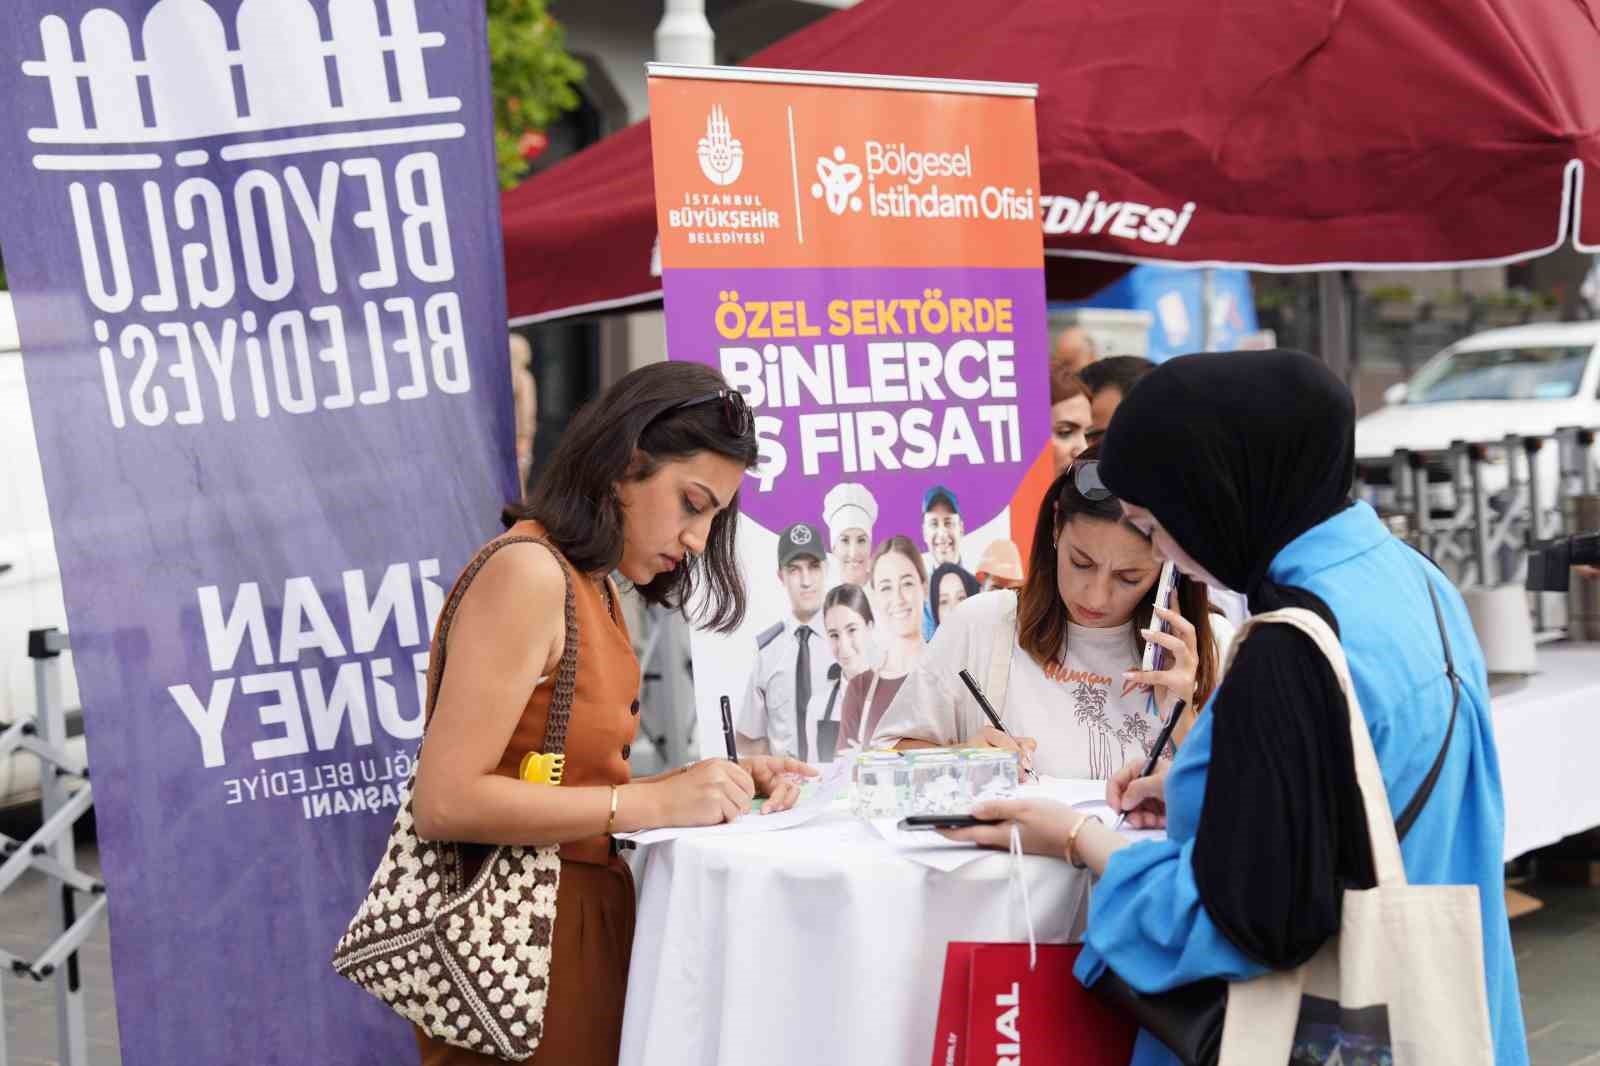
469, 963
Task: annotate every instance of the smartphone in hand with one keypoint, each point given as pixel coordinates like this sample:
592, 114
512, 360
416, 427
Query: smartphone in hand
941, 821
1155, 656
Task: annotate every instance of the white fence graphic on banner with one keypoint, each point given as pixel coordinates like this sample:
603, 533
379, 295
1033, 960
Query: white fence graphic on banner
188, 69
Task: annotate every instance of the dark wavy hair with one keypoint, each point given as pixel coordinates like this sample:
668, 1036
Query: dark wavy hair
626, 434
1041, 616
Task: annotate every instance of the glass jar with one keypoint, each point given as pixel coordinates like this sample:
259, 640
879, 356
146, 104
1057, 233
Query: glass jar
882, 780
939, 784
993, 773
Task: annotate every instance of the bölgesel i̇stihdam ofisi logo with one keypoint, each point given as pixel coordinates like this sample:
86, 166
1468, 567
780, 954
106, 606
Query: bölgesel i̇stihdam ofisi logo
837, 183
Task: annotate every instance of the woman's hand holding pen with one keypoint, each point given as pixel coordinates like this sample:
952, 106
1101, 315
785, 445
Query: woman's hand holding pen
991, 737
778, 779
707, 793
1142, 799
1177, 681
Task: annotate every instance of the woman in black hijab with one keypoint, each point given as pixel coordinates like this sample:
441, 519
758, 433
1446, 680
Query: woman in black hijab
1239, 465
1225, 492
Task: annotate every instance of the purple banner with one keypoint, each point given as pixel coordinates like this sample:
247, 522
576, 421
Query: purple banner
255, 251
895, 379
890, 402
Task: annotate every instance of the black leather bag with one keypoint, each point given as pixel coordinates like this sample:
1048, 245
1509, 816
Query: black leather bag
1188, 1019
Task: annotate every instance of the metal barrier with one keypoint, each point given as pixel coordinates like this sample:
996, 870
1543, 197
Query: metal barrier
1478, 506
77, 901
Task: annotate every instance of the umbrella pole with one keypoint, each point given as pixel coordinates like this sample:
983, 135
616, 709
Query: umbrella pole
1334, 325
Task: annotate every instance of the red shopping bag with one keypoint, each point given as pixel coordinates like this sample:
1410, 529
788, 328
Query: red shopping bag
992, 1009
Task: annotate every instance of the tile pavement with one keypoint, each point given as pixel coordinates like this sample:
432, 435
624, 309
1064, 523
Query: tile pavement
1558, 961
30, 1012
1557, 949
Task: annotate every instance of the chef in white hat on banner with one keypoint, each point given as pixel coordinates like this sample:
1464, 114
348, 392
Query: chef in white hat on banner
851, 512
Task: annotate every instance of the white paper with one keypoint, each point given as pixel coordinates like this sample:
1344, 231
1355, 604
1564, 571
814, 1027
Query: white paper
820, 794
1069, 790
748, 823
1103, 811
1086, 795
928, 847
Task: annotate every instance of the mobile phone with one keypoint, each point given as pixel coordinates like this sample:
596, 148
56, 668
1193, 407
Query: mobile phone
941, 821
1155, 656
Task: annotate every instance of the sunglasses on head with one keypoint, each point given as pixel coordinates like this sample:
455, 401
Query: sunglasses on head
1086, 479
736, 413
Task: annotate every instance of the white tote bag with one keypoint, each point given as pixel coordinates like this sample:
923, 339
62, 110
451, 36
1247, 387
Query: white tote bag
1403, 981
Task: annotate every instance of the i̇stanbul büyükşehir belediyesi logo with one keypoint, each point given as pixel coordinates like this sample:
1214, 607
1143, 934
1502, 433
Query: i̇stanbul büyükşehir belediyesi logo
894, 175
720, 153
722, 217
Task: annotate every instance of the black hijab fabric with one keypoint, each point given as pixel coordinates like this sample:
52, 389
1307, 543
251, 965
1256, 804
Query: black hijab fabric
1237, 454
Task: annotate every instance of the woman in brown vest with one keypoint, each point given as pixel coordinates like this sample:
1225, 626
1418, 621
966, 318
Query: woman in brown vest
645, 482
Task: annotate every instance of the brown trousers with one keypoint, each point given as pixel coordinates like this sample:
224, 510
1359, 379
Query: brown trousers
588, 974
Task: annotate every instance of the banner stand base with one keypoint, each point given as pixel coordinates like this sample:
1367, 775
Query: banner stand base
77, 901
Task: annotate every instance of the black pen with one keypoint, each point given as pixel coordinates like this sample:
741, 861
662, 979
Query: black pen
1155, 754
727, 730
989, 713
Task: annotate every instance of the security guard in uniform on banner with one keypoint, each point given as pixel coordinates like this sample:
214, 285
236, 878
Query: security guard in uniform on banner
789, 686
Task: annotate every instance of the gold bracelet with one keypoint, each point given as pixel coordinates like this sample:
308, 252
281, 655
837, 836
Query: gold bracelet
611, 822
1072, 839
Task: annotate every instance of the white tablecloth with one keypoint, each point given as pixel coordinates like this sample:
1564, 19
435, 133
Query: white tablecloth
820, 944
814, 945
1547, 729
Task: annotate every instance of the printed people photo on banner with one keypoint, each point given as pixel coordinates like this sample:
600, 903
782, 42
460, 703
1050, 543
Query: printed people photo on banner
895, 364
789, 685
949, 585
1000, 567
941, 532
848, 619
899, 594
850, 511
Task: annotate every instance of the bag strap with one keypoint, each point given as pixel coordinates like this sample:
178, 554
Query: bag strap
1408, 817
1001, 649
1386, 861
555, 730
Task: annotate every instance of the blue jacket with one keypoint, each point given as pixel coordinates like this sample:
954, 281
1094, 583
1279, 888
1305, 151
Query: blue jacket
1145, 917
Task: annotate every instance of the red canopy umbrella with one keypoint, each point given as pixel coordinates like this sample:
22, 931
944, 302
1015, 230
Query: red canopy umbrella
1267, 134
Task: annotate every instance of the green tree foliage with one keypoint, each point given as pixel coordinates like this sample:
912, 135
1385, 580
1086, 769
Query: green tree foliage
534, 79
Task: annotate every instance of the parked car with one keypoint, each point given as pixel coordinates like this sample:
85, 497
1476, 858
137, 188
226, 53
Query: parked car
30, 579
1525, 380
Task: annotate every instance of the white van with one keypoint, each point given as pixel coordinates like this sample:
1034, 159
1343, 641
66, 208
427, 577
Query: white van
1527, 380
30, 579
